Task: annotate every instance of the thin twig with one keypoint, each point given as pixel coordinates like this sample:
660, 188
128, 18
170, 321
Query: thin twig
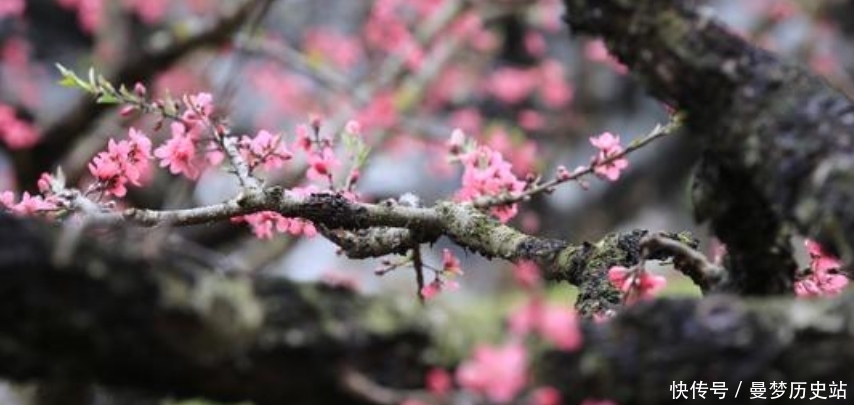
658, 132
687, 260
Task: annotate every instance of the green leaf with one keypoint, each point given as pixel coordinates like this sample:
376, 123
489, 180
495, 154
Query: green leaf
107, 99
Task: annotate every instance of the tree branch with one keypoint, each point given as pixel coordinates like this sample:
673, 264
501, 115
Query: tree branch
372, 230
154, 321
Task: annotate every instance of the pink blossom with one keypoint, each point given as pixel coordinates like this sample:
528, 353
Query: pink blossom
458, 139
261, 223
322, 164
436, 286
44, 183
29, 204
354, 176
450, 263
606, 142
265, 222
264, 149
823, 278
486, 173
505, 213
431, 290
303, 140
562, 173
138, 156
199, 107
139, 89
124, 161
438, 381
296, 227
179, 153
637, 284
108, 172
819, 260
12, 8
609, 147
127, 110
498, 372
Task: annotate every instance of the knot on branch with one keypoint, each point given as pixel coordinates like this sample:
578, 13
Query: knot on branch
334, 211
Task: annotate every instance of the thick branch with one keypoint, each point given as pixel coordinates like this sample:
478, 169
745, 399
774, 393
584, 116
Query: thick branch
635, 358
161, 323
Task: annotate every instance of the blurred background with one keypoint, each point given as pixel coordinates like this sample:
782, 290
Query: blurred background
507, 72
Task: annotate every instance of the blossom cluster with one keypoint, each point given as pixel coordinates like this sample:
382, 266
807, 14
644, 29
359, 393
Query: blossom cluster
486, 173
180, 152
125, 161
28, 205
823, 278
608, 163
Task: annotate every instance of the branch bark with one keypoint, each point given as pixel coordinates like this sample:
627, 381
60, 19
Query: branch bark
373, 230
126, 315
